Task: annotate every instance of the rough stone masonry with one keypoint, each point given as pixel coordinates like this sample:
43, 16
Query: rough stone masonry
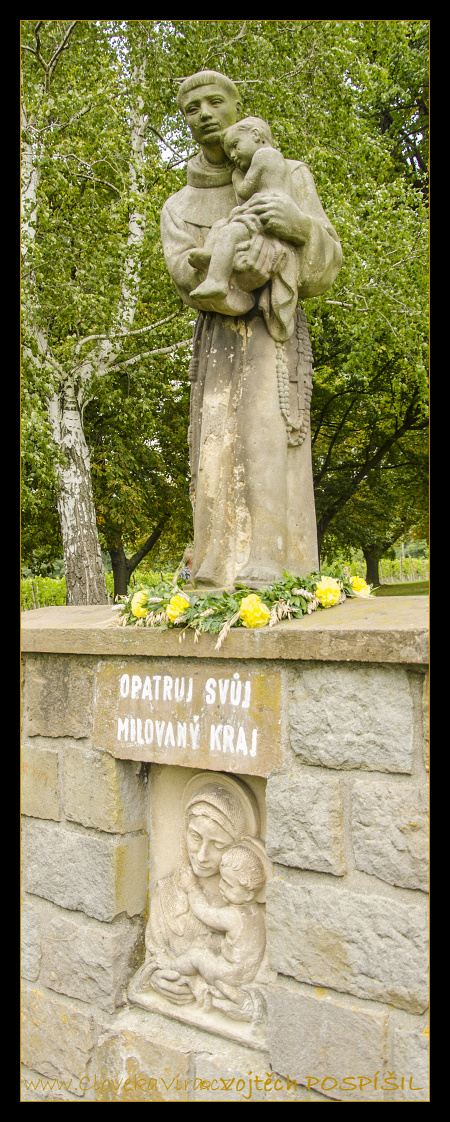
340, 794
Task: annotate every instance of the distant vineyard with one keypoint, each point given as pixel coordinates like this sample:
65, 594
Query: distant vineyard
395, 572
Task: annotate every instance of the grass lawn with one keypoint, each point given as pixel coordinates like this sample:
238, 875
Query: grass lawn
407, 588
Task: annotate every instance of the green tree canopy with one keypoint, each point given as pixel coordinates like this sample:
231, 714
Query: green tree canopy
106, 344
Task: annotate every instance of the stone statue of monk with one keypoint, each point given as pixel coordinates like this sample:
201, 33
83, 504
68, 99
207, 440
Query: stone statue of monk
251, 375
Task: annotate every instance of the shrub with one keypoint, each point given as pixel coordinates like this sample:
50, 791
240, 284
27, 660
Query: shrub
43, 592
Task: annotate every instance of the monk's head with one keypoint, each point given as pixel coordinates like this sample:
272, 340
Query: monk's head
210, 103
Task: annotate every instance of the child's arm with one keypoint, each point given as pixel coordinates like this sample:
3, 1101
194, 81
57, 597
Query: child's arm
219, 918
267, 172
246, 185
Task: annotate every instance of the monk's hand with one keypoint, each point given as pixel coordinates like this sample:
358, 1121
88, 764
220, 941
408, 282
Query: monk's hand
254, 259
281, 217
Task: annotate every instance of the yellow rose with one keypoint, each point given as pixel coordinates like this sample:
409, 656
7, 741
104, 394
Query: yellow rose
253, 612
176, 607
139, 605
328, 592
359, 586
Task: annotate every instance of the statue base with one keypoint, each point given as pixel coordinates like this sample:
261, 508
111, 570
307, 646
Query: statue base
252, 585
213, 1020
212, 590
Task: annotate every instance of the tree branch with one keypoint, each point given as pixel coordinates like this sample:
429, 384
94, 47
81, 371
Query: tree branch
166, 142
89, 173
368, 466
125, 334
149, 354
40, 23
137, 557
48, 67
95, 179
61, 45
342, 393
339, 428
76, 117
334, 397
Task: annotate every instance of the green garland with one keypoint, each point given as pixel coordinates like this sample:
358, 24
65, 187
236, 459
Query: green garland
169, 604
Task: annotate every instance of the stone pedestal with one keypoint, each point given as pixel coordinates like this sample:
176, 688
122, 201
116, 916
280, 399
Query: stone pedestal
322, 721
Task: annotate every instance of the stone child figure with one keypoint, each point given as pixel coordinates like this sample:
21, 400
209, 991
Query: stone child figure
259, 169
251, 371
242, 877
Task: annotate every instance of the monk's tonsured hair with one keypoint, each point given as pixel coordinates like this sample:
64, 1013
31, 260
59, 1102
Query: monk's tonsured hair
205, 78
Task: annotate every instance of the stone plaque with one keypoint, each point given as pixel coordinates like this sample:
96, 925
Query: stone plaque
193, 714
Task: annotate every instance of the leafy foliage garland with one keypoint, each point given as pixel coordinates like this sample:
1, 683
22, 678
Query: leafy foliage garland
170, 604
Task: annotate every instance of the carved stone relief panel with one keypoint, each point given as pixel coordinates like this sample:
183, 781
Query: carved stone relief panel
205, 941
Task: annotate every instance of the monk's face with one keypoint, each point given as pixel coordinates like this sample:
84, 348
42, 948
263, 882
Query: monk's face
208, 111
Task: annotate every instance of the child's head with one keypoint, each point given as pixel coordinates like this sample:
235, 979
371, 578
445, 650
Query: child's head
242, 140
242, 874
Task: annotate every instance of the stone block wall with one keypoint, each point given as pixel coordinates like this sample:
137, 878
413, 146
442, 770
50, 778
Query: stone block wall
346, 912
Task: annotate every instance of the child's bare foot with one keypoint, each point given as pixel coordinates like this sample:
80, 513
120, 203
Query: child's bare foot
199, 258
210, 288
235, 303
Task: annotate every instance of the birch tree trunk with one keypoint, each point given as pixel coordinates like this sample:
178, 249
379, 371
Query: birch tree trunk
85, 577
85, 574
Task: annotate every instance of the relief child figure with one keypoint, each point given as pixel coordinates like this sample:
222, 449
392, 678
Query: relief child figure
242, 880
